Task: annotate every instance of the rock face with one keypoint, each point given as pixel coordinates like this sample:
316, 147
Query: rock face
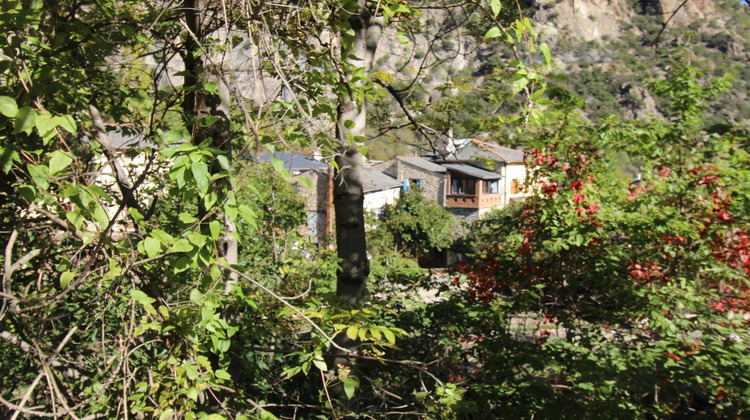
692, 11
583, 20
593, 20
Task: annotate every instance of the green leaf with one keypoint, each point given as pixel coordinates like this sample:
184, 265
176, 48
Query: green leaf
27, 193
75, 218
306, 182
66, 278
45, 126
278, 164
152, 247
59, 161
8, 106
101, 216
351, 383
187, 218
166, 414
519, 84
496, 7
320, 364
389, 335
200, 174
547, 55
351, 332
7, 156
248, 214
222, 374
215, 228
494, 32
162, 236
135, 214
40, 174
141, 297
181, 245
67, 122
25, 121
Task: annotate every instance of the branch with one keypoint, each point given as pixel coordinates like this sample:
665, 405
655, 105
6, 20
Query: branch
100, 134
287, 304
664, 25
59, 221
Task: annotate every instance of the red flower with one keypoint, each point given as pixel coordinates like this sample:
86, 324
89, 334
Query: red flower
550, 189
576, 186
592, 208
577, 198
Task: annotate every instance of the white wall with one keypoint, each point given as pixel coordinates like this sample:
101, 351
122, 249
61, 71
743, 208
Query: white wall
378, 199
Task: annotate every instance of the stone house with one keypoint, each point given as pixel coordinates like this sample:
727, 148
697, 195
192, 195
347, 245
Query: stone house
471, 191
507, 162
316, 192
415, 171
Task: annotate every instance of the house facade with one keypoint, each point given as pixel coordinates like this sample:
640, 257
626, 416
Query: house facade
414, 171
470, 179
472, 191
380, 190
507, 162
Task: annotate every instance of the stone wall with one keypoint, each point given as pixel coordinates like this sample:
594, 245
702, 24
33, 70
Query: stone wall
433, 183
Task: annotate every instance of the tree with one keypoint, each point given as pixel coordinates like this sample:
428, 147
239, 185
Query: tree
147, 260
638, 288
418, 225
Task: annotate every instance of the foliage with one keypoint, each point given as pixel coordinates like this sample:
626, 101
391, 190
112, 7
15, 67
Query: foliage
638, 289
418, 225
119, 299
118, 296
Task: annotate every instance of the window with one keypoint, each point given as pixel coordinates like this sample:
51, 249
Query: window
462, 186
515, 186
415, 184
490, 186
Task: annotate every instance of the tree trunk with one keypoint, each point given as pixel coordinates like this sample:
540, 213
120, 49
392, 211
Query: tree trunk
199, 103
348, 197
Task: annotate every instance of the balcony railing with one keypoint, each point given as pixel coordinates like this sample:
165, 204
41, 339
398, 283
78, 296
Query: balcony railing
473, 201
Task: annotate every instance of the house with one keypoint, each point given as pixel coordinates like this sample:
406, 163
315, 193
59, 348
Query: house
472, 191
380, 190
414, 171
507, 162
295, 163
316, 191
470, 178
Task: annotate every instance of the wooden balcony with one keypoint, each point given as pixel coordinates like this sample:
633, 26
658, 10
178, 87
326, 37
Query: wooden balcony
473, 201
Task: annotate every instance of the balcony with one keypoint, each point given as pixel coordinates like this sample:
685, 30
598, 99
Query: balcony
480, 201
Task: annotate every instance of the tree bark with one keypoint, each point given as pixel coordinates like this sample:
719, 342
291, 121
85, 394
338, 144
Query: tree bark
348, 197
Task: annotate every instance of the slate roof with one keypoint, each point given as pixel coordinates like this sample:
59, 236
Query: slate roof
374, 180
472, 171
421, 163
294, 161
478, 149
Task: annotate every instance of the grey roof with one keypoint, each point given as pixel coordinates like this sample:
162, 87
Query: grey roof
294, 161
477, 149
421, 163
374, 180
472, 171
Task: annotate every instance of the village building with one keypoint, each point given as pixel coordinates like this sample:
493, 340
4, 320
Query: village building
380, 190
417, 172
472, 191
507, 162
